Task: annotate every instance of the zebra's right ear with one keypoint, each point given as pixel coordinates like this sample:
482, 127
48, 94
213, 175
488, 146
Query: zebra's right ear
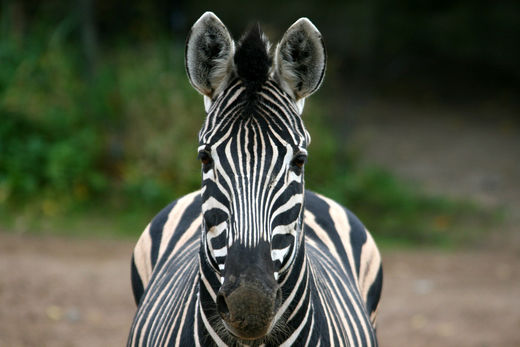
209, 55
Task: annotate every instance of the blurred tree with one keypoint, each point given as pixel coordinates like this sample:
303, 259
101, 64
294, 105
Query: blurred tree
89, 34
376, 40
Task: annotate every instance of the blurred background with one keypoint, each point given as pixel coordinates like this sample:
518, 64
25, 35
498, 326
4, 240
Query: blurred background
416, 129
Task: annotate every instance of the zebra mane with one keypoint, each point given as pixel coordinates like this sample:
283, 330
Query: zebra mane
252, 59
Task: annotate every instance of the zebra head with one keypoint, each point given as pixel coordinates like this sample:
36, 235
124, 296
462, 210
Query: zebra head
253, 147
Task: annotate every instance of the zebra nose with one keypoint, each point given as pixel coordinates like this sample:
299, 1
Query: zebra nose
247, 310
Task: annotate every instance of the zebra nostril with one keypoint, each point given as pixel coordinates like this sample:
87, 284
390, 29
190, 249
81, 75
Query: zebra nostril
222, 306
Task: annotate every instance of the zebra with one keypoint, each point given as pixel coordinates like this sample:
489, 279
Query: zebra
252, 258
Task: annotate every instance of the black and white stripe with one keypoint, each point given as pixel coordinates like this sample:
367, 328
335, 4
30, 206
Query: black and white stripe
247, 195
253, 214
330, 294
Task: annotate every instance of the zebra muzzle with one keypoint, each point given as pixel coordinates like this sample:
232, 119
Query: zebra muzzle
248, 299
247, 312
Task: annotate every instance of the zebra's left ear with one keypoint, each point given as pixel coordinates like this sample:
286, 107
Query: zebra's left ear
300, 59
209, 55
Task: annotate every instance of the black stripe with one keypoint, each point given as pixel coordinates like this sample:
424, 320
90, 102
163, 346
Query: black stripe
137, 285
358, 237
374, 293
156, 230
289, 216
321, 210
190, 214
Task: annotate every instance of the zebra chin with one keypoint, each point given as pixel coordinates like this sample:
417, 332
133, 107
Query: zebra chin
249, 298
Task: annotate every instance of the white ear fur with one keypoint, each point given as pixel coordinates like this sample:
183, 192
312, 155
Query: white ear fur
209, 55
300, 59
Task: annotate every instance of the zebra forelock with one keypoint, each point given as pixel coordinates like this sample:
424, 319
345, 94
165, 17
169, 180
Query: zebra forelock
252, 60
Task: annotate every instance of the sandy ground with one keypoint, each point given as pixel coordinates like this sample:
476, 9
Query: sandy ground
64, 292
432, 298
70, 292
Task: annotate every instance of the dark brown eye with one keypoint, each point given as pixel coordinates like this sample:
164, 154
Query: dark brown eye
299, 160
205, 158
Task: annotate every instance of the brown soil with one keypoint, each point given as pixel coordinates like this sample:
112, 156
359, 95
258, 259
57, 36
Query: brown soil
64, 292
433, 298
70, 292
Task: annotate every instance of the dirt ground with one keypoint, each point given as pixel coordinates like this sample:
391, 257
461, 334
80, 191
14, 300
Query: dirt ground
70, 292
64, 292
433, 298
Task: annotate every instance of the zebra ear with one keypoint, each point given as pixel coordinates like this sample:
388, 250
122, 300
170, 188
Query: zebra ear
300, 59
209, 55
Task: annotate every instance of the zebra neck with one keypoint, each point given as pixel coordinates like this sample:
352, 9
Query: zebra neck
295, 318
208, 324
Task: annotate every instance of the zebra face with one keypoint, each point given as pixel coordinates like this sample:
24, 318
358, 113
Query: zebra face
253, 147
252, 175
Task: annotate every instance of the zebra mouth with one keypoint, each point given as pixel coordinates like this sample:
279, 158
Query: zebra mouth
243, 336
247, 313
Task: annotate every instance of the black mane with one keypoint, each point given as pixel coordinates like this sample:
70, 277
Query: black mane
252, 60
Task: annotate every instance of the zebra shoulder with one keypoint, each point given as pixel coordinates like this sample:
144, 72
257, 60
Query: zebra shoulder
349, 236
170, 224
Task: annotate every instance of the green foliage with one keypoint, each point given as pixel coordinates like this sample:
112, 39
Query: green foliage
38, 157
48, 144
127, 133
118, 144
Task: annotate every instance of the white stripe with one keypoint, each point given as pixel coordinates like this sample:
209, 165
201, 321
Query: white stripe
221, 252
293, 201
285, 229
211, 202
298, 330
216, 230
279, 254
142, 258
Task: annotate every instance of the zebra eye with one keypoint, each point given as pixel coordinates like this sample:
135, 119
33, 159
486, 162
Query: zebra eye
299, 160
205, 158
